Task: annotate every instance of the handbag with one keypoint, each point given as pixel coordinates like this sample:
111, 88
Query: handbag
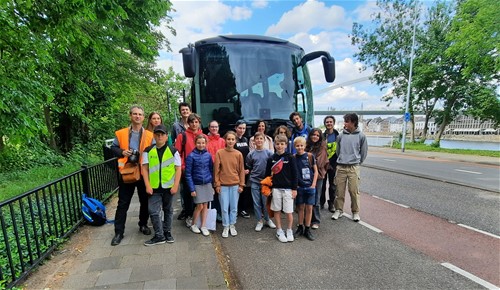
131, 173
211, 221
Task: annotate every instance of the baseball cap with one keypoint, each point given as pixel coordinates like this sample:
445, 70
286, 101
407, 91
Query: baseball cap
160, 128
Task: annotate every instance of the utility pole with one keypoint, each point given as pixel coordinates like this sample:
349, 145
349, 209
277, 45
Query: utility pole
407, 110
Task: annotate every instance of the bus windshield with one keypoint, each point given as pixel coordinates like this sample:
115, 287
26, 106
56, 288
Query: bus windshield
248, 81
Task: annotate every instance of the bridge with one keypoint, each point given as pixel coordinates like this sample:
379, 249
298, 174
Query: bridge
365, 112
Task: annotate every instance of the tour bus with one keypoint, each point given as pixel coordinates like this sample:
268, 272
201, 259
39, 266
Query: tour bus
251, 77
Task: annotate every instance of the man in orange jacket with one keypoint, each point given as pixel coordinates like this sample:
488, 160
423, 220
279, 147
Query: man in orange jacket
128, 145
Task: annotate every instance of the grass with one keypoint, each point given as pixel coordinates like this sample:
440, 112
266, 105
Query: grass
423, 147
15, 183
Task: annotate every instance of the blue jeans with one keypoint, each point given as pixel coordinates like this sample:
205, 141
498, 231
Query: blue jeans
316, 217
156, 202
228, 198
259, 202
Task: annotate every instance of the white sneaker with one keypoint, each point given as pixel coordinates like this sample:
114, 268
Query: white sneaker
336, 214
281, 236
232, 230
271, 224
259, 226
195, 229
225, 232
205, 232
289, 235
355, 217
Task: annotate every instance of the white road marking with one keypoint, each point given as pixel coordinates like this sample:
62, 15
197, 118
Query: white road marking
390, 201
377, 230
479, 231
472, 277
390, 160
467, 171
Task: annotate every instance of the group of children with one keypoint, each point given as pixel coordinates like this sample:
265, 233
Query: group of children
294, 178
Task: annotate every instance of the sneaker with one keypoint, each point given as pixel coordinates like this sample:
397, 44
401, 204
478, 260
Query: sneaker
168, 237
315, 226
155, 241
299, 231
189, 222
355, 217
245, 214
195, 229
309, 235
232, 230
289, 235
331, 208
205, 232
225, 232
270, 224
336, 214
259, 226
182, 216
281, 236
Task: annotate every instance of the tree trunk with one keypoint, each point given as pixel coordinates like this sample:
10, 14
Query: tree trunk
50, 129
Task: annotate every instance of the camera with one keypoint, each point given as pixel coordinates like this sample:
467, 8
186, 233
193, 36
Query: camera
134, 157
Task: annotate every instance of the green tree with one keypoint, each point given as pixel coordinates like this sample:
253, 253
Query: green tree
70, 69
442, 85
385, 46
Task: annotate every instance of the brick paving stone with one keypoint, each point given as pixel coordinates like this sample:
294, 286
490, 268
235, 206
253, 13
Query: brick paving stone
146, 273
80, 281
192, 283
161, 284
115, 276
105, 263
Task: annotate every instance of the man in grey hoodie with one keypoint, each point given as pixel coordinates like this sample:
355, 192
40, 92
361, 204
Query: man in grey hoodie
352, 149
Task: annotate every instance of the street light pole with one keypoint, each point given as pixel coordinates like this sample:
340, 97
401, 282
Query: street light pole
407, 110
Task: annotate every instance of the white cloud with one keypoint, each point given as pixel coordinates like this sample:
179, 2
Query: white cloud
307, 16
259, 4
364, 12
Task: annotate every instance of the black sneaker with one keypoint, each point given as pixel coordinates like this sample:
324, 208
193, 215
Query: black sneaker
168, 237
244, 214
155, 241
182, 216
145, 230
308, 234
299, 231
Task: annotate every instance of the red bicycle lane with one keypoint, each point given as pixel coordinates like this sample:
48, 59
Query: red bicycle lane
446, 242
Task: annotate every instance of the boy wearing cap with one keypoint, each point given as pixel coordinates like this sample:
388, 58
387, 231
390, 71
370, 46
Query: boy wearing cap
161, 169
284, 174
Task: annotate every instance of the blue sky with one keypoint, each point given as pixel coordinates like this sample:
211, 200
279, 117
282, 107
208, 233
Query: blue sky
314, 25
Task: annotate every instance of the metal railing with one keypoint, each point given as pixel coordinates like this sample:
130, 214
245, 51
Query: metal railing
34, 223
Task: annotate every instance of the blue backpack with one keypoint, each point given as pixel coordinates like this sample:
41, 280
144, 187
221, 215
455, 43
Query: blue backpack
93, 211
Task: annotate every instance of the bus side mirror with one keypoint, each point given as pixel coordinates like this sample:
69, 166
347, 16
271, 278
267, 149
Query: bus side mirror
188, 60
329, 68
328, 63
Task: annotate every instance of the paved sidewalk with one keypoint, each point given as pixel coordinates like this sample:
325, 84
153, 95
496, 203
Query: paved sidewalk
188, 263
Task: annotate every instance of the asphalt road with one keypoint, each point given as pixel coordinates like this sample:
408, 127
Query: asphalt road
481, 176
415, 233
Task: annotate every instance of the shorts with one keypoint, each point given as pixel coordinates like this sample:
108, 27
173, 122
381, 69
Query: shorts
306, 196
282, 200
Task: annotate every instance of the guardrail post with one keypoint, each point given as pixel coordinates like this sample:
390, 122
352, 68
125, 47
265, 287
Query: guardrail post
86, 180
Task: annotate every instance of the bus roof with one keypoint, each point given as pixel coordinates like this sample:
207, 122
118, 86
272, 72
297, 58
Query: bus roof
245, 38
